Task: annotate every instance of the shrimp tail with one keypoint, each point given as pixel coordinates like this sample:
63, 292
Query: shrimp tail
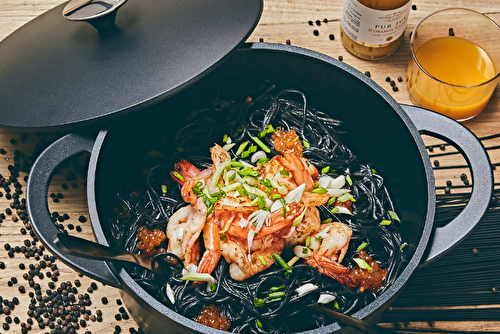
330, 268
212, 252
185, 169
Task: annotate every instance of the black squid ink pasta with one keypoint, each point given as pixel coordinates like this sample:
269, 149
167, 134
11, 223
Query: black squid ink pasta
241, 119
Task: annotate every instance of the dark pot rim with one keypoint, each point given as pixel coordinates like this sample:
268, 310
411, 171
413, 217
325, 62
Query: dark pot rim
375, 306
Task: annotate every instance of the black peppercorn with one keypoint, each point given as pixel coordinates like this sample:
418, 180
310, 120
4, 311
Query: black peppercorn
82, 219
368, 74
414, 7
341, 58
332, 37
388, 79
436, 163
316, 32
395, 88
104, 300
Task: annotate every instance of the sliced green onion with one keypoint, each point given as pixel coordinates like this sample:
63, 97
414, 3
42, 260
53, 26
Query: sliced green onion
335, 209
284, 172
277, 288
241, 148
224, 139
346, 197
236, 163
219, 170
308, 241
332, 200
261, 144
259, 302
385, 222
248, 172
262, 260
198, 277
255, 201
164, 189
293, 260
283, 211
180, 149
277, 258
252, 149
178, 176
282, 190
154, 154
299, 219
336, 304
362, 264
240, 128
231, 177
374, 171
258, 323
348, 179
305, 250
262, 161
275, 197
231, 187
394, 215
306, 144
319, 190
245, 154
296, 138
362, 246
327, 221
325, 170
213, 287
403, 245
277, 294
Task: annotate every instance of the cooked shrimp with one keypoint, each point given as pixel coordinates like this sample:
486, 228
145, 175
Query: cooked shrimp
229, 209
311, 223
211, 240
183, 231
190, 175
277, 222
241, 265
218, 155
329, 248
301, 173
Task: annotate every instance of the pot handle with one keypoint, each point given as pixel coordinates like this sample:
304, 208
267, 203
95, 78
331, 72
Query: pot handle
38, 209
447, 237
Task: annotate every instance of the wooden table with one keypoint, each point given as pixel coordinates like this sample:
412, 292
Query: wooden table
283, 21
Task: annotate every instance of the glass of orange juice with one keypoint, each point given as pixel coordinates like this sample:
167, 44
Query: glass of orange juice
455, 62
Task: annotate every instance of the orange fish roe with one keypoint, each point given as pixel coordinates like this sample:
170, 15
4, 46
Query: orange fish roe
148, 240
287, 140
370, 280
210, 316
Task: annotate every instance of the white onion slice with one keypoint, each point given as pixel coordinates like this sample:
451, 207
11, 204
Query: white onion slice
337, 183
257, 156
170, 294
308, 287
343, 210
298, 251
324, 181
243, 222
337, 192
293, 196
228, 146
325, 298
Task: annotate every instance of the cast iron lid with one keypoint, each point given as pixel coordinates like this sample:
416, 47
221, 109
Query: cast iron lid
59, 72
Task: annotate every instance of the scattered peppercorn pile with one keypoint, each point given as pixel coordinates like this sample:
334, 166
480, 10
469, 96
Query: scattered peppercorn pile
40, 294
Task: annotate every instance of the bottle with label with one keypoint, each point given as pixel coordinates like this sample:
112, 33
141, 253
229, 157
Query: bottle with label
373, 29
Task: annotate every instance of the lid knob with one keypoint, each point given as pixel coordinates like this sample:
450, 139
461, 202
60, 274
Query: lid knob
100, 13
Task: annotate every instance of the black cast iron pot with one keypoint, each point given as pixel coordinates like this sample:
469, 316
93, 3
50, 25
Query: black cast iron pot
381, 132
